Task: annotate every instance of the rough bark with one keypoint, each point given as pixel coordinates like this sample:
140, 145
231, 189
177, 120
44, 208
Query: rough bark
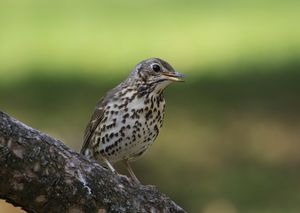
41, 174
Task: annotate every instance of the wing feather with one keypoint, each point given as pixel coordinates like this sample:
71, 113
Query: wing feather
95, 120
97, 117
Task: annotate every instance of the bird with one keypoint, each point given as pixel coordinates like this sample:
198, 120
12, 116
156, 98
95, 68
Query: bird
127, 120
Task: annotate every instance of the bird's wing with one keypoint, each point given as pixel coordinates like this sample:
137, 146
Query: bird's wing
92, 125
97, 117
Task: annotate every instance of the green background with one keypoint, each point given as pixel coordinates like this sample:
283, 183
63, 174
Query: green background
231, 136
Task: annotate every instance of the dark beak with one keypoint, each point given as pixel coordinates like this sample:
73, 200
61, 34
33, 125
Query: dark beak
174, 76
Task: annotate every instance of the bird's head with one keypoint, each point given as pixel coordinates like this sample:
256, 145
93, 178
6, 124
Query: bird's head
156, 72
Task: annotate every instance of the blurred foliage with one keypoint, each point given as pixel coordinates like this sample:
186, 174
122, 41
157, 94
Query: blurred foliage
230, 141
89, 35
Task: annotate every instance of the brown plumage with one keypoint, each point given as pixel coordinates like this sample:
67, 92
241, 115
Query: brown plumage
128, 118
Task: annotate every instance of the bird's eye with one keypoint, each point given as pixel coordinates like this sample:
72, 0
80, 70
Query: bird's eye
156, 67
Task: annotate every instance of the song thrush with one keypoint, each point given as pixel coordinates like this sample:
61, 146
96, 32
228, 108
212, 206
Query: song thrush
128, 118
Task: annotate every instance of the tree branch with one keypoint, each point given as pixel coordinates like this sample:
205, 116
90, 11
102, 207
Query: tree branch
41, 174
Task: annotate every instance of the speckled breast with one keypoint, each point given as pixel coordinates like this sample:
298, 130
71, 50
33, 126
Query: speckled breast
129, 126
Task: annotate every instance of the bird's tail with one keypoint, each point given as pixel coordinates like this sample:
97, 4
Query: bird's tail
86, 152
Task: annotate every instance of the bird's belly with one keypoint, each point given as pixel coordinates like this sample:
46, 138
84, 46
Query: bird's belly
138, 139
128, 133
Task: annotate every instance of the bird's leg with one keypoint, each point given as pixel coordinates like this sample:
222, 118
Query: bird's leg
111, 168
129, 169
